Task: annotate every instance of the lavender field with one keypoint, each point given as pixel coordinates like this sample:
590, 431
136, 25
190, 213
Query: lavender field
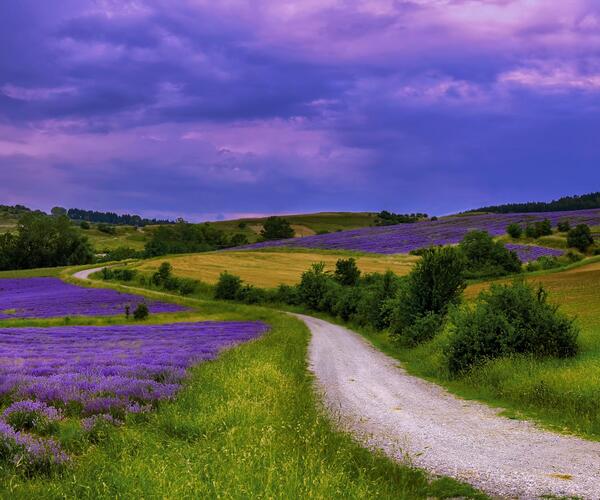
51, 297
100, 373
403, 238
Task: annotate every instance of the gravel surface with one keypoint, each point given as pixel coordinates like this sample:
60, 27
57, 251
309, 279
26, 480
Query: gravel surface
423, 425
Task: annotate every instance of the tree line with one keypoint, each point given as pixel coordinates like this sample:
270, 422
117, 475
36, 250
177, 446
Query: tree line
577, 202
109, 217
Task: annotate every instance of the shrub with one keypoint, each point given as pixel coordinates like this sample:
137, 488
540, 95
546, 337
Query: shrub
564, 226
84, 225
313, 286
580, 237
347, 303
162, 274
228, 287
287, 294
187, 286
531, 231
543, 228
121, 253
378, 290
486, 257
346, 272
436, 283
544, 262
251, 295
506, 320
141, 312
105, 228
514, 230
237, 240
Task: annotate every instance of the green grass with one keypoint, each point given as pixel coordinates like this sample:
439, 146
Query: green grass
245, 425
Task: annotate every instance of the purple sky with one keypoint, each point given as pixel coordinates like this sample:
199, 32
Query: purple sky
206, 108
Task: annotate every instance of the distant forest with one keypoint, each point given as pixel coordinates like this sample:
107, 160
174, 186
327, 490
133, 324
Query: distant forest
585, 201
113, 218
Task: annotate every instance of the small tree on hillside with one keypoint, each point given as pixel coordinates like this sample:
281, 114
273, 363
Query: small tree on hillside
435, 284
580, 237
346, 272
514, 230
276, 228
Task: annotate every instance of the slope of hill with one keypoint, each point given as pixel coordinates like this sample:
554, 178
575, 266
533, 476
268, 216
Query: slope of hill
403, 238
303, 224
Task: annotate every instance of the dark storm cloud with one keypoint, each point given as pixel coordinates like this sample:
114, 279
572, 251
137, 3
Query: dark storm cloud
202, 107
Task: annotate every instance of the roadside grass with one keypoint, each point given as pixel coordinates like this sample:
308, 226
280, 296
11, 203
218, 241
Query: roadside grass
561, 394
247, 425
270, 269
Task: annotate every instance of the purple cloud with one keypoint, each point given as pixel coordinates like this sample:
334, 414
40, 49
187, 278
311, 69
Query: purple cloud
200, 108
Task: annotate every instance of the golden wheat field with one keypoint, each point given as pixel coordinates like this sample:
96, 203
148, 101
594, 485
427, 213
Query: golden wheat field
270, 269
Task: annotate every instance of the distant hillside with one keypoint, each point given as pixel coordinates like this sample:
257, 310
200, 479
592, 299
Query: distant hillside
303, 224
582, 202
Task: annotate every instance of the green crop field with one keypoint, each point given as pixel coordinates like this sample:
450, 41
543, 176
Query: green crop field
271, 268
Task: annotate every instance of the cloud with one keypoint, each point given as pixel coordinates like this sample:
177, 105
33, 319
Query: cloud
271, 106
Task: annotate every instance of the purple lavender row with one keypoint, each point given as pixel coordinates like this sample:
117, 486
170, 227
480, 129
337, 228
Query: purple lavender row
527, 253
99, 372
51, 297
103, 368
403, 238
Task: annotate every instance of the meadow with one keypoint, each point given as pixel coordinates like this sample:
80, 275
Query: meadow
269, 269
247, 424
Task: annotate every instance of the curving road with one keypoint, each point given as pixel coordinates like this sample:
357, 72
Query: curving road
419, 422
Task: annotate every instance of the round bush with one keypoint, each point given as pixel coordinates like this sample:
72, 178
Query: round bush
509, 319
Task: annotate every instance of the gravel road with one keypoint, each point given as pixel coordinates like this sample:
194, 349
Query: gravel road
419, 422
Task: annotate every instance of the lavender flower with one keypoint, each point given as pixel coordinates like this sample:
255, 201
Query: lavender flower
51, 297
403, 238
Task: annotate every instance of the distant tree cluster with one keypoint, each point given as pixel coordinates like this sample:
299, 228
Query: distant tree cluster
14, 209
184, 237
110, 217
385, 218
43, 241
585, 201
276, 228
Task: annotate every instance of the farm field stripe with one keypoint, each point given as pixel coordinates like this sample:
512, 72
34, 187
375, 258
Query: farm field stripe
406, 416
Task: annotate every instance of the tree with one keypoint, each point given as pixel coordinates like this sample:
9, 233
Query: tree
514, 230
436, 283
228, 287
486, 257
580, 237
276, 228
43, 241
346, 272
313, 286
58, 211
564, 226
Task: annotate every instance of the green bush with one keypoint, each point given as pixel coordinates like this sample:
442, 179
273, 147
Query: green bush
163, 274
141, 312
543, 263
514, 230
580, 237
436, 283
187, 286
228, 286
564, 226
346, 272
287, 294
486, 257
84, 225
313, 286
507, 320
538, 228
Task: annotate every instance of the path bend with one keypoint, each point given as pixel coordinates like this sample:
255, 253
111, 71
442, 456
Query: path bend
415, 420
